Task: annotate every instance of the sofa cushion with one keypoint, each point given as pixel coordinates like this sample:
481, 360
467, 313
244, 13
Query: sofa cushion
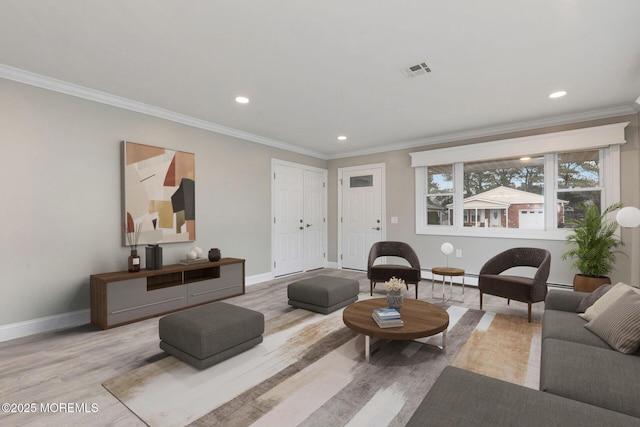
592, 375
591, 298
606, 300
567, 326
619, 325
464, 398
563, 300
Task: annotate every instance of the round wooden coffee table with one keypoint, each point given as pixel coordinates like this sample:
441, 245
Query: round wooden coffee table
421, 319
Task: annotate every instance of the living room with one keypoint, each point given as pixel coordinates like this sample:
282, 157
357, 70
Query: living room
63, 191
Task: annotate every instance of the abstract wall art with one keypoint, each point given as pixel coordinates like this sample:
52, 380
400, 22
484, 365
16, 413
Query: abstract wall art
159, 193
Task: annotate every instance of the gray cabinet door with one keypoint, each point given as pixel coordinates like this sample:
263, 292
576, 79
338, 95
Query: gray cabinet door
228, 284
129, 300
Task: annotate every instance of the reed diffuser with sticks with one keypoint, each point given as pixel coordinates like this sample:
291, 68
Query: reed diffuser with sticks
133, 235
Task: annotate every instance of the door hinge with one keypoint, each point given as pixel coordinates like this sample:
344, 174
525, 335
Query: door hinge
274, 219
324, 185
274, 175
274, 264
340, 256
324, 255
340, 181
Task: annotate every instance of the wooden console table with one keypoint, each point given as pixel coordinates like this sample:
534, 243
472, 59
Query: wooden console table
121, 297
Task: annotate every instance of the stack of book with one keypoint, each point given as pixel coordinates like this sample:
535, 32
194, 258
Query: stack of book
387, 317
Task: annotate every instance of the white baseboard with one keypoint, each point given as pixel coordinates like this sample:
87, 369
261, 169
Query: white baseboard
468, 280
258, 278
44, 324
82, 317
75, 318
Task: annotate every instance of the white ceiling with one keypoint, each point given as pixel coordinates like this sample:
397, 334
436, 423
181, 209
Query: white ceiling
318, 69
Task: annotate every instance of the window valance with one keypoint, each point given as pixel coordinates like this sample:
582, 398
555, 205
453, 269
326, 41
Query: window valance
572, 140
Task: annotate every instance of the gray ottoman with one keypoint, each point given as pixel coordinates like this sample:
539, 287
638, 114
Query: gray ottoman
208, 334
323, 294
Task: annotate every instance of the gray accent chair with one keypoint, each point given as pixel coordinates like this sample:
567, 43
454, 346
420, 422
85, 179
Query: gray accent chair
383, 272
492, 281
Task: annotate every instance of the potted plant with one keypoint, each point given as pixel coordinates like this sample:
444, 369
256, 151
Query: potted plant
594, 247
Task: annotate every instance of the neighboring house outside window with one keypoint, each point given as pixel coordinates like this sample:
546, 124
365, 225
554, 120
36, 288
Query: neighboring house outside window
507, 208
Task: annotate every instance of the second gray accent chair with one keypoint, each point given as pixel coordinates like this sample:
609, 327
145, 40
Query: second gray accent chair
513, 287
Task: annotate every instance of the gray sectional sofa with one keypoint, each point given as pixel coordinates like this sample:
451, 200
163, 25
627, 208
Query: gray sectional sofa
583, 382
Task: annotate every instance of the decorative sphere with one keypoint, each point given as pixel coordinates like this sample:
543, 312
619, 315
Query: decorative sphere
198, 251
628, 217
447, 248
192, 254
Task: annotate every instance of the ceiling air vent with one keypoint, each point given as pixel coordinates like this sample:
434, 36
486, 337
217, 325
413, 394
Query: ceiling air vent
416, 70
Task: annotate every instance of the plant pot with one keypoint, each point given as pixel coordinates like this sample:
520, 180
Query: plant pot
585, 283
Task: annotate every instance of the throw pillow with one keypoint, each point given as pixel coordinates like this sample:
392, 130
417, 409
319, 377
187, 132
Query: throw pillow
606, 300
590, 299
619, 325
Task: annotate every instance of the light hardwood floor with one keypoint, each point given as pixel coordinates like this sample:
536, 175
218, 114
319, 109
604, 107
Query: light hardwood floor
69, 366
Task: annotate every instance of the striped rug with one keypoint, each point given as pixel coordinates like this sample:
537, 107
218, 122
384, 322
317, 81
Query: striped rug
310, 371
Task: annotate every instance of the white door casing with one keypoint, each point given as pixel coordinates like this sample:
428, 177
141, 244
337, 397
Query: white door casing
361, 214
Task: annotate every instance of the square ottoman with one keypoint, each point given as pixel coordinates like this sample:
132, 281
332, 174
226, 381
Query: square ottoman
323, 294
205, 335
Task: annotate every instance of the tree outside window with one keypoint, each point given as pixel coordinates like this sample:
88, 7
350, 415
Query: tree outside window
578, 183
440, 195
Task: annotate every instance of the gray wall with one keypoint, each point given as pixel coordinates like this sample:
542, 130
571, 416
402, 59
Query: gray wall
400, 185
61, 210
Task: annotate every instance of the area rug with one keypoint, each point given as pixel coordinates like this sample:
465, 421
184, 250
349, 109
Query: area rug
310, 371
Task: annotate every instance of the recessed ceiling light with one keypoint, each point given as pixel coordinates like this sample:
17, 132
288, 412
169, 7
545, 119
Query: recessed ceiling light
342, 138
524, 159
558, 94
242, 100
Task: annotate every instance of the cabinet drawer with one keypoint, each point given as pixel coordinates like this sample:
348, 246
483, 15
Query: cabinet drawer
229, 283
129, 300
201, 294
132, 293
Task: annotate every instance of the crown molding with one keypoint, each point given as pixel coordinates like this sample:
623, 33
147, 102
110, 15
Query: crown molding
38, 80
60, 86
494, 131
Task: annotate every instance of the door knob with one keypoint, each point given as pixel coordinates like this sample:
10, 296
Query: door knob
301, 228
376, 228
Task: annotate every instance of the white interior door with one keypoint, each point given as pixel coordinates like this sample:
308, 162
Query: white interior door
362, 214
299, 218
288, 220
314, 219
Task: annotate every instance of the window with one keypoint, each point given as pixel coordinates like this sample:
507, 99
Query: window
578, 183
361, 181
498, 193
439, 203
502, 189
